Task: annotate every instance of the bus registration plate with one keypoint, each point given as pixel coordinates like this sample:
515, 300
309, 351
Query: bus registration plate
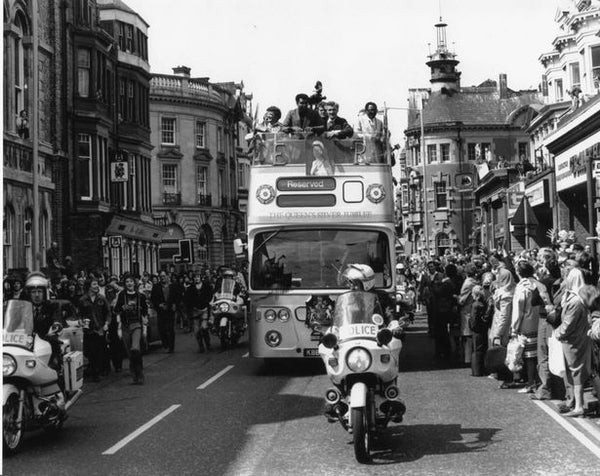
311, 352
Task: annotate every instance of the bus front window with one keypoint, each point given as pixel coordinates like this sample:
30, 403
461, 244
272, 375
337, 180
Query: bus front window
313, 259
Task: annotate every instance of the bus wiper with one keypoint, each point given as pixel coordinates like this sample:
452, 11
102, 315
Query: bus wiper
272, 235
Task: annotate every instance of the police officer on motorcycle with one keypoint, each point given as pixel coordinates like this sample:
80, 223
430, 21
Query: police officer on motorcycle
45, 324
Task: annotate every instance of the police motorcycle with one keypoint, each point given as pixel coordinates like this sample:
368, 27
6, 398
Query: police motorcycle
32, 396
228, 311
361, 355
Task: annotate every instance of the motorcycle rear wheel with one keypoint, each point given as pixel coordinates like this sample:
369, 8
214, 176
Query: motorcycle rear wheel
360, 434
12, 431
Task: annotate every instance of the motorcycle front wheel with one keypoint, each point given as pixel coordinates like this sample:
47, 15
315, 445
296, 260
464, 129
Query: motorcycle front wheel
360, 434
12, 429
224, 337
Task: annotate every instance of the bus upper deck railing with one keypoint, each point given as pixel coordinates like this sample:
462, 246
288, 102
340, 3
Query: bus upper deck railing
319, 154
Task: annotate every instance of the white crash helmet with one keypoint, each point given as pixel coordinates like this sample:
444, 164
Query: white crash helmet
36, 279
361, 273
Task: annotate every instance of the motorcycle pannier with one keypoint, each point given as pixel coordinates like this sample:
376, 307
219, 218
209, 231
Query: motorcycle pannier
73, 370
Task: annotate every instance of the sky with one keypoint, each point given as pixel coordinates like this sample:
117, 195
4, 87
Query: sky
361, 50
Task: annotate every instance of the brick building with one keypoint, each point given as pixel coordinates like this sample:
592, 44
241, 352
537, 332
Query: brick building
463, 133
111, 133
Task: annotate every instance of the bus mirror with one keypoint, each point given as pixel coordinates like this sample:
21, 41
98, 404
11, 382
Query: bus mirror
239, 247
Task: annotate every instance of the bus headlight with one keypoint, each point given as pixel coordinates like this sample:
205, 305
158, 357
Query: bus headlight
270, 315
284, 315
358, 360
273, 338
375, 193
9, 365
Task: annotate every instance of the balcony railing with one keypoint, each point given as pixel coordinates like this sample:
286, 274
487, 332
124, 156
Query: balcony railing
204, 200
171, 198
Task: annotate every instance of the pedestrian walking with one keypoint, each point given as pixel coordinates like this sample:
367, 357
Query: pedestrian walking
197, 299
95, 313
131, 310
165, 297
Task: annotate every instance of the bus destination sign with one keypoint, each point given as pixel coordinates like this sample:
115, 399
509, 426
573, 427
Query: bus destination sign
305, 184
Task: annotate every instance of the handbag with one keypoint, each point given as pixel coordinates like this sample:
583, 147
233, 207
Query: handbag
495, 359
556, 357
514, 354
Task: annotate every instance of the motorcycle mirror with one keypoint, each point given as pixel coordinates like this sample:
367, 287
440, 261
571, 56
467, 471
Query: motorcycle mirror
384, 336
329, 340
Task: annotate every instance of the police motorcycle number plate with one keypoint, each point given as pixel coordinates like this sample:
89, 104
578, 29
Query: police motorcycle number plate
353, 331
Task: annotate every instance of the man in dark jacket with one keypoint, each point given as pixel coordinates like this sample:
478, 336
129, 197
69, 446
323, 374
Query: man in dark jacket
95, 312
165, 297
197, 299
302, 118
336, 127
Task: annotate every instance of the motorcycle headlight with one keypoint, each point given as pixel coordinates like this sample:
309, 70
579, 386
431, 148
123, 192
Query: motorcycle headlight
224, 307
358, 360
9, 365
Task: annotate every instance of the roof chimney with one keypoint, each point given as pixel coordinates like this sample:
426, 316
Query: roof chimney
503, 86
182, 71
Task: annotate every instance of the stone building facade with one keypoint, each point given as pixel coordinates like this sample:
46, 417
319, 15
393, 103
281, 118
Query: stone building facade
35, 130
198, 130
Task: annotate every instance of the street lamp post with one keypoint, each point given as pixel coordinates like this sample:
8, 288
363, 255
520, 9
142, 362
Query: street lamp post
423, 168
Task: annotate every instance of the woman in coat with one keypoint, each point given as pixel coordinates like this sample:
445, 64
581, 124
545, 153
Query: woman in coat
529, 302
573, 334
465, 301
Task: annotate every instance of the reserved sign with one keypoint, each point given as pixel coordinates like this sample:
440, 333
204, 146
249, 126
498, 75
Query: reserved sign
303, 184
358, 330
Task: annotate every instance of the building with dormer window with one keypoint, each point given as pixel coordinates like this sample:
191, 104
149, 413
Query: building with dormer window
472, 147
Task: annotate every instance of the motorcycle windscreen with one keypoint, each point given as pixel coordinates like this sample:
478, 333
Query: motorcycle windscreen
355, 307
227, 289
18, 323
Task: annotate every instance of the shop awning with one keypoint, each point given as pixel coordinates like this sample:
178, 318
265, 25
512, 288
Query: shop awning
524, 216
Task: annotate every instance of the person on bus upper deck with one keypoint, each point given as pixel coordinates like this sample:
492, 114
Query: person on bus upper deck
336, 127
322, 111
303, 117
270, 121
371, 129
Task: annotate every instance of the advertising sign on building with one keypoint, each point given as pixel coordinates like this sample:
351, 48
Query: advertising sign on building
537, 193
119, 168
571, 164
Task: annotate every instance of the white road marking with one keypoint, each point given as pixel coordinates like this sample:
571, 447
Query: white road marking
590, 427
113, 449
584, 440
247, 354
215, 377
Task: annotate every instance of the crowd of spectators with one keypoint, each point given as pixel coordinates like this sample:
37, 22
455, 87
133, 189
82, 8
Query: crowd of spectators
477, 303
111, 330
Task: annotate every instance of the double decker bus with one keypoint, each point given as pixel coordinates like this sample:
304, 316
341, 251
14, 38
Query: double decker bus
315, 205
